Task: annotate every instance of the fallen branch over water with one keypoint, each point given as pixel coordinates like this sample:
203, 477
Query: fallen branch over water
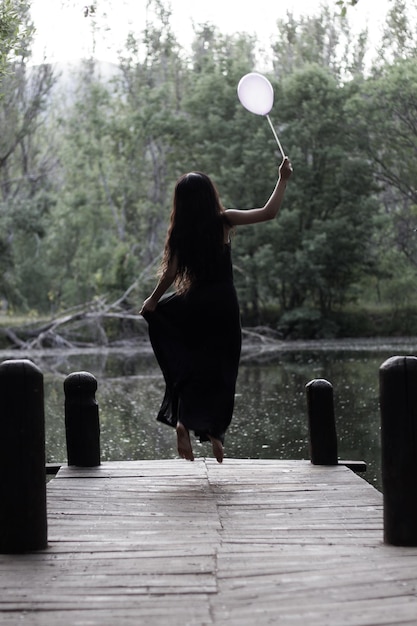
101, 325
94, 324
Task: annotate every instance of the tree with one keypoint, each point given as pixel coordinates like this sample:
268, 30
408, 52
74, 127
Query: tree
24, 161
386, 111
325, 39
399, 34
324, 233
234, 147
14, 30
119, 142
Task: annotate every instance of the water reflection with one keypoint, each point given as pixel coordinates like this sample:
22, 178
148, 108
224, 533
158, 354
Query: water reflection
276, 414
270, 419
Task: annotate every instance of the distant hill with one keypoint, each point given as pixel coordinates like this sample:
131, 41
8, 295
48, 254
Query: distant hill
68, 73
68, 69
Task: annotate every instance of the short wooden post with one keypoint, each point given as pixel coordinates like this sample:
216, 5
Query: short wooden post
321, 422
398, 406
82, 424
23, 518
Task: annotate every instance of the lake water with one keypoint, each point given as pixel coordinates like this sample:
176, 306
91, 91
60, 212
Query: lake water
270, 419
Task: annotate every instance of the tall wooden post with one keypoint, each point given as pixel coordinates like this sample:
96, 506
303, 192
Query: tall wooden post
398, 405
321, 422
82, 424
23, 519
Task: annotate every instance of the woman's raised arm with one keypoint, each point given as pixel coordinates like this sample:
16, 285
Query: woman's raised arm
237, 217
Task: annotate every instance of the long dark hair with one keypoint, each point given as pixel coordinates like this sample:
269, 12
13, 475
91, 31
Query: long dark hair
196, 231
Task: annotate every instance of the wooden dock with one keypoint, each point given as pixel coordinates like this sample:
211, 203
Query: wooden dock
246, 543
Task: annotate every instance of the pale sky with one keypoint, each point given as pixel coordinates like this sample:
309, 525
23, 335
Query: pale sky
64, 33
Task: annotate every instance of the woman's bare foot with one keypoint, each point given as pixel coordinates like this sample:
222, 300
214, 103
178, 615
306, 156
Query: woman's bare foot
183, 443
217, 449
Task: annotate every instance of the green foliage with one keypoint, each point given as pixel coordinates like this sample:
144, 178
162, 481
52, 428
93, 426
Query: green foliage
324, 234
25, 189
86, 177
399, 36
386, 111
307, 323
325, 40
16, 31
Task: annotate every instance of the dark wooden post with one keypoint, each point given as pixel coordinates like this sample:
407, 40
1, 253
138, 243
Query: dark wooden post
23, 518
398, 405
321, 422
82, 424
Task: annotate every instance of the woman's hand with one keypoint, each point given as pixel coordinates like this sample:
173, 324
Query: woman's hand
285, 169
148, 306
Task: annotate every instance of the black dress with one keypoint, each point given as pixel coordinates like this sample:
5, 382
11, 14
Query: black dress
196, 338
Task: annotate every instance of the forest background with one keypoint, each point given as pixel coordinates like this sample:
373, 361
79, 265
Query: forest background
89, 154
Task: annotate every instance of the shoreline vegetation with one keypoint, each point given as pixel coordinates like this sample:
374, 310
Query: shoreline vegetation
108, 327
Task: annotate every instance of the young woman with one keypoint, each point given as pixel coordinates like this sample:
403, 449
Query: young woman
195, 332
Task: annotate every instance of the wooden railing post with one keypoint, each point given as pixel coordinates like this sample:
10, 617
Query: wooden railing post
398, 405
321, 422
82, 425
23, 518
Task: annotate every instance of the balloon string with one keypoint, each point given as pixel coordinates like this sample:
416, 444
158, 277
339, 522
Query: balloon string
276, 137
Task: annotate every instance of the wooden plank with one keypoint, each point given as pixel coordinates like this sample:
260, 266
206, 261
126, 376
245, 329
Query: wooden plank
242, 543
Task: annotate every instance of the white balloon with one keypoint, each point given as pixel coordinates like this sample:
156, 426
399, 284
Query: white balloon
256, 94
